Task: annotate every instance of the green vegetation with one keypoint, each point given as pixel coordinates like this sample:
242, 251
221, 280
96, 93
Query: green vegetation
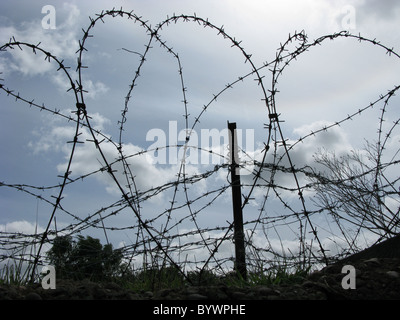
16, 271
169, 277
152, 279
87, 258
276, 277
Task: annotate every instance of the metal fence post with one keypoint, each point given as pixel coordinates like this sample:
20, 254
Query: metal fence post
240, 253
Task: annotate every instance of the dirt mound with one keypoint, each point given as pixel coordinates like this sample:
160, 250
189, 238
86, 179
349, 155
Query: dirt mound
389, 248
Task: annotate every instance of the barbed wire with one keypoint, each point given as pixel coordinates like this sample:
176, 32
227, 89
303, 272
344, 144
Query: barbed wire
158, 238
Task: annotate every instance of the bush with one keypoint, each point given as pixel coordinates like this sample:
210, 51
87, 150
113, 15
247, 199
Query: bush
85, 258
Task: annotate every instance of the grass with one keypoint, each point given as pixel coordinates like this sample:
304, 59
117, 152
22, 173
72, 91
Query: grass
170, 278
16, 272
152, 279
277, 277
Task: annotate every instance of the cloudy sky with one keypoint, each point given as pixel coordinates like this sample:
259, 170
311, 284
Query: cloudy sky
321, 87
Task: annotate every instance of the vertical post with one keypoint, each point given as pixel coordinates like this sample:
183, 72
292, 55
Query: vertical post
240, 259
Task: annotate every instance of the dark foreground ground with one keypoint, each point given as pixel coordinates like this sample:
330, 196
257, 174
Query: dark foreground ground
376, 271
376, 278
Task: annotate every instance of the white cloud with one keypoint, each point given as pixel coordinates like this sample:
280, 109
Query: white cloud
301, 154
87, 159
61, 42
53, 137
334, 138
21, 226
94, 88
